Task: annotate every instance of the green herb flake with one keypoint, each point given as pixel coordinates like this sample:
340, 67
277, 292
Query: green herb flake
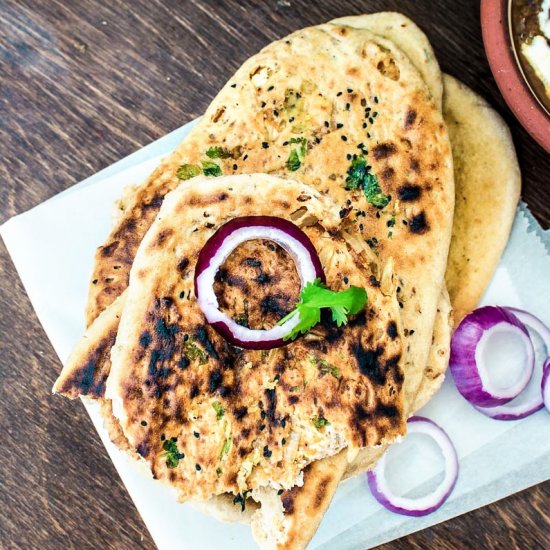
320, 422
188, 171
219, 153
316, 296
325, 367
242, 319
297, 154
226, 447
171, 453
360, 177
193, 352
211, 168
218, 407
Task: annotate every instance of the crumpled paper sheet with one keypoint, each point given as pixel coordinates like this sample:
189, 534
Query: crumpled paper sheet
52, 247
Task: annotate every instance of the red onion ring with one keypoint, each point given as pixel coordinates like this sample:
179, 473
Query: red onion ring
230, 235
426, 504
468, 362
530, 400
545, 385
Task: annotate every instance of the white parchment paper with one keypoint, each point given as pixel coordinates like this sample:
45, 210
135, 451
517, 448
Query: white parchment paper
52, 247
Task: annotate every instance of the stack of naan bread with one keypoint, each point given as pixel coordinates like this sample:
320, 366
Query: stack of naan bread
231, 429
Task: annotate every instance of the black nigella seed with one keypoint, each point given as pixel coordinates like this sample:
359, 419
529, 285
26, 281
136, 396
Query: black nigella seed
285, 143
375, 99
364, 124
346, 280
327, 124
348, 156
270, 88
350, 90
360, 146
371, 120
368, 135
198, 467
280, 492
162, 437
267, 452
265, 145
143, 423
196, 434
283, 422
275, 112
375, 114
348, 106
338, 94
291, 119
245, 157
283, 441
262, 427
339, 125
235, 167
173, 439
343, 138
263, 104
233, 85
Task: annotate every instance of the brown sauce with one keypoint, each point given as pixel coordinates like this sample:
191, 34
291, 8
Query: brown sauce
524, 27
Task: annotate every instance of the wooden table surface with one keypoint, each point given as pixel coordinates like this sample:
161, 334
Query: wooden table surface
84, 83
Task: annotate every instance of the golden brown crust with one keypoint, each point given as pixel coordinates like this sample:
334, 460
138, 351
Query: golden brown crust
488, 186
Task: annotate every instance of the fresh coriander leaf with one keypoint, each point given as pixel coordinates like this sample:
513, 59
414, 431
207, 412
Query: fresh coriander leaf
218, 407
320, 422
360, 177
315, 296
226, 447
211, 168
188, 171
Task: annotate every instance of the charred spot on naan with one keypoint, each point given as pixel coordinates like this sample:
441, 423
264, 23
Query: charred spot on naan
91, 375
258, 284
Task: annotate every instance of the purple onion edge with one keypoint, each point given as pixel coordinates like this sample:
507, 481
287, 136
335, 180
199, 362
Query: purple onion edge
383, 499
469, 383
544, 382
213, 244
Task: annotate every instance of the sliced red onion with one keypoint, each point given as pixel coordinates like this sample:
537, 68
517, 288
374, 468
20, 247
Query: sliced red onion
545, 385
530, 400
492, 356
235, 232
431, 502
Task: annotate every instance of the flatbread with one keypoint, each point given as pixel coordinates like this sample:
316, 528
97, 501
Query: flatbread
407, 148
488, 186
409, 38
171, 373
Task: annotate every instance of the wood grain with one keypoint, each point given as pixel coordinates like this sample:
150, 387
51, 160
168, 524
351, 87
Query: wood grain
84, 83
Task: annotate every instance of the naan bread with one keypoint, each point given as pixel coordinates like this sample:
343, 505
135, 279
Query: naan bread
325, 85
409, 38
488, 186
171, 375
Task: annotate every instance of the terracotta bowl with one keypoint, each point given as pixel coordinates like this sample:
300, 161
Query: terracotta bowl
497, 38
